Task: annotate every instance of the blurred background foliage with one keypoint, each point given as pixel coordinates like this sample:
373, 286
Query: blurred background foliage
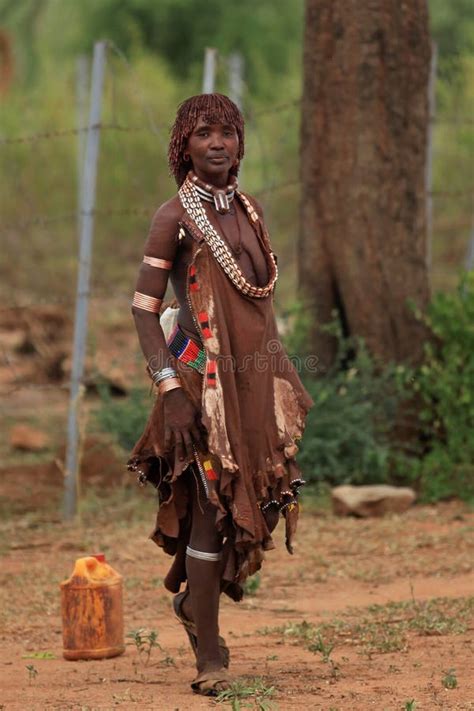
157, 62
154, 62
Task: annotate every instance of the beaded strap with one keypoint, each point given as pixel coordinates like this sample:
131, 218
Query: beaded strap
192, 204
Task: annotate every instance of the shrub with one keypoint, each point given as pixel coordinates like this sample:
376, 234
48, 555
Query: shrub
125, 418
445, 382
348, 438
348, 431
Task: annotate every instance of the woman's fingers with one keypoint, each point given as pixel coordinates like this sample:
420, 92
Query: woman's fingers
188, 442
168, 433
178, 441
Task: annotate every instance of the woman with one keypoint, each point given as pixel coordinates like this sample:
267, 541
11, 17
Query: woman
221, 439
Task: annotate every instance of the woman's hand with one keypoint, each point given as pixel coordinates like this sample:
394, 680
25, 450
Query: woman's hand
182, 423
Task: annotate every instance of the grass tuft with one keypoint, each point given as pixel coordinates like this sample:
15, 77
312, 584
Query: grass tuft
248, 693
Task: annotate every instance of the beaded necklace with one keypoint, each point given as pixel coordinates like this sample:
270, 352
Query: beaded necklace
191, 202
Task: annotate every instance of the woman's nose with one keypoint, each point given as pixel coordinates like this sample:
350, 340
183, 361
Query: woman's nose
216, 141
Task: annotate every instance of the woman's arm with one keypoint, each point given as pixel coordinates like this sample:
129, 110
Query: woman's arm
159, 255
182, 425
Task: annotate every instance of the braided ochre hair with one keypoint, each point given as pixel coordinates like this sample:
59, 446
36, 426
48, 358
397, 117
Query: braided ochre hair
214, 108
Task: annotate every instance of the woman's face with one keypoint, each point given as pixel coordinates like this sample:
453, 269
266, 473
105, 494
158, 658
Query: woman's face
213, 150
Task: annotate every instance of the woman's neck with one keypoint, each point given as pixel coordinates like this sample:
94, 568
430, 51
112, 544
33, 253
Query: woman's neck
219, 182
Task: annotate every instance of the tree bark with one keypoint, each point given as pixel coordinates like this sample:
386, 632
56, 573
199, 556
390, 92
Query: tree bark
362, 247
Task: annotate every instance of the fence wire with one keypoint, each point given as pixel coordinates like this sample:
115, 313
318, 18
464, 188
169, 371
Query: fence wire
45, 243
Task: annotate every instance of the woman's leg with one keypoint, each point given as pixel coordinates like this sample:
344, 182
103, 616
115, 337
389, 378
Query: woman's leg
202, 605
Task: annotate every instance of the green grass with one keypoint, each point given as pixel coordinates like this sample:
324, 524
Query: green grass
248, 693
379, 629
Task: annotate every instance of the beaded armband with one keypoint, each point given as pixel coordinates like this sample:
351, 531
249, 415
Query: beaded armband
147, 303
158, 263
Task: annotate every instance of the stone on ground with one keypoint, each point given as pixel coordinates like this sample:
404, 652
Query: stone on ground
28, 438
374, 500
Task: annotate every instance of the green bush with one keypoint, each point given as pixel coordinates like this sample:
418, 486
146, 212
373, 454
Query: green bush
445, 382
124, 418
348, 431
349, 438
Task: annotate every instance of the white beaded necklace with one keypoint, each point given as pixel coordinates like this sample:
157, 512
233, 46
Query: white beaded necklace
191, 202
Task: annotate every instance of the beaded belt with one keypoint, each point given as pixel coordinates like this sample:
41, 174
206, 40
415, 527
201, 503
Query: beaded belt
187, 351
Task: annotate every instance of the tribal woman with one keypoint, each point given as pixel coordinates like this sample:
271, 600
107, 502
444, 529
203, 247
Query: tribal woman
221, 440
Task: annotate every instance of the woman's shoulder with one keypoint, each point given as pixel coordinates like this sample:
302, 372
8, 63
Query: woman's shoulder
170, 212
165, 223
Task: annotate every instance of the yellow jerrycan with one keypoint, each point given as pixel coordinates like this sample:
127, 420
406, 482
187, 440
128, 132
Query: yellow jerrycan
92, 610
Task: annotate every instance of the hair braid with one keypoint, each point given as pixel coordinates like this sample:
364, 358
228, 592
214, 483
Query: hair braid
214, 108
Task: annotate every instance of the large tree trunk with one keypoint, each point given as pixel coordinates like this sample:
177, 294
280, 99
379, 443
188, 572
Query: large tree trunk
362, 249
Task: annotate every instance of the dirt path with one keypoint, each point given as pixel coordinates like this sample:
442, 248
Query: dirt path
409, 577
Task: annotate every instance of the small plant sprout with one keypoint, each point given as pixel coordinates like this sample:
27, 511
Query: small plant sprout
449, 679
32, 672
248, 694
410, 705
144, 641
168, 661
324, 648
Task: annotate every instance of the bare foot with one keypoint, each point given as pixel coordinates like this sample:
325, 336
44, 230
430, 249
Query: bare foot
211, 682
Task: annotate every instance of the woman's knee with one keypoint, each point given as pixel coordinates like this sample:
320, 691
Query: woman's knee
204, 534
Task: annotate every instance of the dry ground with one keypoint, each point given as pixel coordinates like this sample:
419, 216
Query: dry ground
374, 614
366, 613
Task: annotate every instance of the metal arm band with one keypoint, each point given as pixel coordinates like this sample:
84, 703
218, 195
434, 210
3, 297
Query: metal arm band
160, 375
202, 555
168, 384
147, 303
159, 263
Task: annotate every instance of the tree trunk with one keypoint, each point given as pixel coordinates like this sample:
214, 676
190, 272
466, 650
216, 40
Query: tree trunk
363, 246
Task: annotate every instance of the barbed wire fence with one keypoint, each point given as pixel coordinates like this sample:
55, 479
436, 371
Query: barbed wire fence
40, 246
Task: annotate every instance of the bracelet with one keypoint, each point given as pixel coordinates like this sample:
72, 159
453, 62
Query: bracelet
168, 384
163, 374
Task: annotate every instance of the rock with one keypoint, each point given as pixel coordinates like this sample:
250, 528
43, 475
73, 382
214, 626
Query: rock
375, 500
102, 464
27, 438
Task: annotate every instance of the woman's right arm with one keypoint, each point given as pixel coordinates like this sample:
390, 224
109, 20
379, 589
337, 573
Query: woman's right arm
182, 426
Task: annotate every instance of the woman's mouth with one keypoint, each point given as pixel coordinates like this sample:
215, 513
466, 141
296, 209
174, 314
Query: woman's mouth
217, 160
